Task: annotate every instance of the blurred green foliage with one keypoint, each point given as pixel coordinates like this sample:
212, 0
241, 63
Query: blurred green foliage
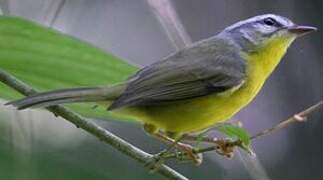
47, 60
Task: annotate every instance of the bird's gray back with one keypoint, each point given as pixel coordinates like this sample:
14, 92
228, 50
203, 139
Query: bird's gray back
209, 66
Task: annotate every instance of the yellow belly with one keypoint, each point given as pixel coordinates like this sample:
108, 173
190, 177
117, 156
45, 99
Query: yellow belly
194, 114
199, 113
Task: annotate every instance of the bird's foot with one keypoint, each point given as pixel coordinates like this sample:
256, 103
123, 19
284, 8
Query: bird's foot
187, 152
184, 152
156, 161
225, 147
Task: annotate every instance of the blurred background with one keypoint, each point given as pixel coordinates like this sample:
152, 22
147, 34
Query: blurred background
35, 145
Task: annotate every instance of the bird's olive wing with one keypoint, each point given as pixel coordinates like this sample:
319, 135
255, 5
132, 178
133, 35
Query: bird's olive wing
196, 71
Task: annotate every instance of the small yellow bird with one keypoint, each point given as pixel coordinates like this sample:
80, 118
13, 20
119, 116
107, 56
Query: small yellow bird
196, 87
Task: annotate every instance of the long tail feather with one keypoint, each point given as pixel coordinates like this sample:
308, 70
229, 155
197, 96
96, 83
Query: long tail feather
91, 94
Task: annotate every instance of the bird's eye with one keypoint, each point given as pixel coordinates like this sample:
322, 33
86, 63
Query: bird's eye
270, 21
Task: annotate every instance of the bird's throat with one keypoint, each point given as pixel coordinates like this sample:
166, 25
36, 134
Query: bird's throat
262, 62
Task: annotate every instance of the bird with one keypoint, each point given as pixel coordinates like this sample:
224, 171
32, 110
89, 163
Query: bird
196, 87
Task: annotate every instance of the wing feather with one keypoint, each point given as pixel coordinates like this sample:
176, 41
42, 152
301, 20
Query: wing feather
211, 66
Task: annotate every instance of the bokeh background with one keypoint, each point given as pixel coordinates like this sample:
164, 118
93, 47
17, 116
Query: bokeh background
35, 145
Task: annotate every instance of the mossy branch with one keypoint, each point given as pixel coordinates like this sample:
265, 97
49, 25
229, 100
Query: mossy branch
95, 130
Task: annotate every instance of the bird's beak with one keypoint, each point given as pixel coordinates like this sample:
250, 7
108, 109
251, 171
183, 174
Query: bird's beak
301, 30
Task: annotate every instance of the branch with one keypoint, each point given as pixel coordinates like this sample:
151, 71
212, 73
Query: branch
165, 12
90, 127
225, 147
299, 117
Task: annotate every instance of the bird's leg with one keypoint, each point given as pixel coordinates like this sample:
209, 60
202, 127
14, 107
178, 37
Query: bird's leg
199, 138
224, 147
186, 148
183, 147
174, 143
158, 158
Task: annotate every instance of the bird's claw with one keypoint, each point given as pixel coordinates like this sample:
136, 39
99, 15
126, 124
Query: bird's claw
225, 147
156, 161
190, 154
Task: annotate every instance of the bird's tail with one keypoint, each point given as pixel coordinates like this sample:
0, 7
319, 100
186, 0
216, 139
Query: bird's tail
72, 95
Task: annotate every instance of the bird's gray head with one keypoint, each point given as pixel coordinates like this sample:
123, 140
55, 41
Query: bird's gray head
257, 31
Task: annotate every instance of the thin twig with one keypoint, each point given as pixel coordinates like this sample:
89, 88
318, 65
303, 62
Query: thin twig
298, 117
165, 12
90, 127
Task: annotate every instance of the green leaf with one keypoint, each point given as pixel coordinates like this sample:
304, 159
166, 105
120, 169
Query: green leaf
233, 131
47, 59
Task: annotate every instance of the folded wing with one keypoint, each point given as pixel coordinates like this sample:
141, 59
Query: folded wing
212, 66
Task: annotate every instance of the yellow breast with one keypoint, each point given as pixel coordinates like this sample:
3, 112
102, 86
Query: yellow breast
203, 112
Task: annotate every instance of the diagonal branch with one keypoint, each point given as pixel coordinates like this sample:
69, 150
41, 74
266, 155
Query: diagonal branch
165, 12
224, 145
90, 127
299, 117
